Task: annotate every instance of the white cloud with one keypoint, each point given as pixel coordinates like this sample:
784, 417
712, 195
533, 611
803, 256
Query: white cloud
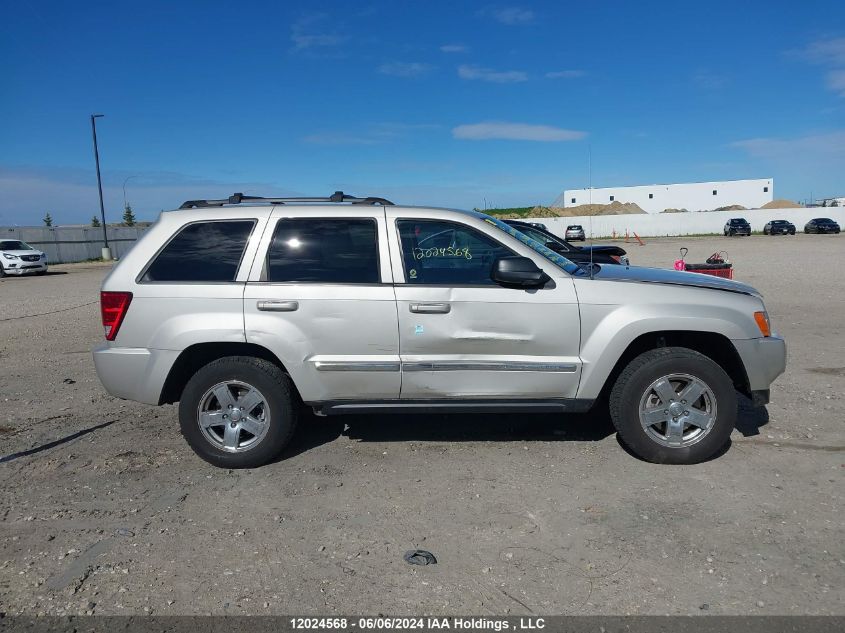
509, 15
836, 81
466, 71
707, 80
830, 143
453, 48
830, 51
502, 130
307, 35
405, 69
565, 74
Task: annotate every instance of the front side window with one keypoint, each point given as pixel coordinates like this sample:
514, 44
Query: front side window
202, 252
446, 253
324, 250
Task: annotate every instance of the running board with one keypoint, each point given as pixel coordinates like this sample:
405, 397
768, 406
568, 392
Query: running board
357, 407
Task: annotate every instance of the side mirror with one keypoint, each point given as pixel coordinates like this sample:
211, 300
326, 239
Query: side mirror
518, 272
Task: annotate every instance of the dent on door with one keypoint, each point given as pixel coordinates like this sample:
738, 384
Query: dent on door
486, 342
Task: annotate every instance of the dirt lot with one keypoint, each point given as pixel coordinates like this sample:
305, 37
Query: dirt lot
105, 509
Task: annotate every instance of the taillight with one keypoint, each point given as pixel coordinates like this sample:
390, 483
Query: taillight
113, 307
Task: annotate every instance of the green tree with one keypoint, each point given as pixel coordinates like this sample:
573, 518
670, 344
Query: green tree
128, 216
48, 219
95, 222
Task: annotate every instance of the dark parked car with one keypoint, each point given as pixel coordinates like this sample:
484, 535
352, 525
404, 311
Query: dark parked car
600, 254
779, 227
821, 225
737, 226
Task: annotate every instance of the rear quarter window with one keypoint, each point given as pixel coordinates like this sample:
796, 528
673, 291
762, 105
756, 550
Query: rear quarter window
208, 252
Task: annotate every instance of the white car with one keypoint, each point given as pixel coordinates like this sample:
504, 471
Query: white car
19, 258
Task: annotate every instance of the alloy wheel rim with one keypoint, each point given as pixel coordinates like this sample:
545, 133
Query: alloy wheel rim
233, 416
678, 410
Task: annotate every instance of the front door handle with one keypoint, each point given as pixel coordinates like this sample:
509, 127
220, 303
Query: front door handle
430, 308
278, 306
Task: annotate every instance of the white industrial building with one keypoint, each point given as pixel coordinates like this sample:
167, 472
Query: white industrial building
694, 196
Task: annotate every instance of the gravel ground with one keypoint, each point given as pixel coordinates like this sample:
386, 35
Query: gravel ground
104, 509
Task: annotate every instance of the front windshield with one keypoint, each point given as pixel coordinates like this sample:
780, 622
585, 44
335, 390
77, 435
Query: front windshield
14, 245
557, 260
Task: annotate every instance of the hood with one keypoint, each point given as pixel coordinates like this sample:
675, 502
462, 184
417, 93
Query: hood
18, 253
671, 277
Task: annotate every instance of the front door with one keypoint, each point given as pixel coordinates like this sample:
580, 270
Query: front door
463, 336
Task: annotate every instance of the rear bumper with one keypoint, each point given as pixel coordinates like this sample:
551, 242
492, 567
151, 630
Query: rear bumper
764, 360
133, 373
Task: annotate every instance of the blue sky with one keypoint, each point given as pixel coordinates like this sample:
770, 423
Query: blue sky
446, 103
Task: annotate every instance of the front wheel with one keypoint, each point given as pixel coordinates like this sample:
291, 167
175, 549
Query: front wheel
238, 412
673, 405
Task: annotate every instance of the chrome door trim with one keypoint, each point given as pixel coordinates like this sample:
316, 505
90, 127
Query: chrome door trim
430, 308
277, 306
485, 365
339, 365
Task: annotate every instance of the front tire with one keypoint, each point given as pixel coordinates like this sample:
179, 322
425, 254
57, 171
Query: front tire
673, 405
238, 412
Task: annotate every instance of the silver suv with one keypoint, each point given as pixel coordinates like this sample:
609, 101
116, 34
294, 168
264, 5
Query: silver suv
243, 309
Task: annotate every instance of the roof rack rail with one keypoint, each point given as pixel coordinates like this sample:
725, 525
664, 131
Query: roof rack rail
237, 198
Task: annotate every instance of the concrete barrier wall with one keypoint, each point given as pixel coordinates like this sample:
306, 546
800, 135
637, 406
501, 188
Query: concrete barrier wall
65, 244
693, 223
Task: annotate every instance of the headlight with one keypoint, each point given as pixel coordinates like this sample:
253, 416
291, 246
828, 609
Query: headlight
7, 256
44, 256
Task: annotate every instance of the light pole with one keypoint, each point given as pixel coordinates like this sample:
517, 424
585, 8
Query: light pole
106, 252
127, 179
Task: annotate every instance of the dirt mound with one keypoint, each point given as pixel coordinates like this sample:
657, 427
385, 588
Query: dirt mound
675, 211
732, 207
782, 203
614, 208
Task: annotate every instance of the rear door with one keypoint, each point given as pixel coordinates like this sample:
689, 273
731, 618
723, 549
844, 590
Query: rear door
463, 336
320, 296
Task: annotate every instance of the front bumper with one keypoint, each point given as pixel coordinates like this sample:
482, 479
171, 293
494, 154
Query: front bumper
133, 373
764, 360
26, 268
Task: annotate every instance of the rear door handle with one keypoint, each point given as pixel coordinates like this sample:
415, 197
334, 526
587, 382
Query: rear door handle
430, 308
278, 306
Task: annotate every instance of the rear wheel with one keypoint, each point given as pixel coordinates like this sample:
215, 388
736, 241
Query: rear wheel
238, 412
673, 405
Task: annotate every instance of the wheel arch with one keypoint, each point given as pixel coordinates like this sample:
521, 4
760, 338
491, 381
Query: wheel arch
200, 354
717, 347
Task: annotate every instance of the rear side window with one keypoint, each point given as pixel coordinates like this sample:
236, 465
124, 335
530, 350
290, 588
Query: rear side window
202, 252
324, 250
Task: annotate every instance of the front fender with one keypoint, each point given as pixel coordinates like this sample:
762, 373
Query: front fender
608, 330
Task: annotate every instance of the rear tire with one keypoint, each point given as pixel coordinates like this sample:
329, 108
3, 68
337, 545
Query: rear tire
672, 429
238, 412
